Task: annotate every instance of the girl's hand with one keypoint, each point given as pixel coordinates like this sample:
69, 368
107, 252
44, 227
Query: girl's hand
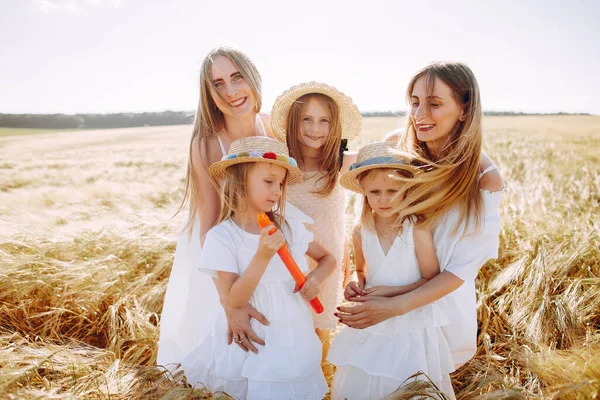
269, 244
311, 287
353, 290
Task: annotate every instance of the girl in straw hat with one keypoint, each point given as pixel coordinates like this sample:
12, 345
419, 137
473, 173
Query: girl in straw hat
458, 198
229, 105
392, 257
316, 121
241, 256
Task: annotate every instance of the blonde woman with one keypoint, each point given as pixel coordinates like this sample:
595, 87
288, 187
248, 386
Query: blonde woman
228, 109
457, 199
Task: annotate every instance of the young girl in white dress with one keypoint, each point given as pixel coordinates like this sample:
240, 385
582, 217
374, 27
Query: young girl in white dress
316, 121
242, 256
392, 258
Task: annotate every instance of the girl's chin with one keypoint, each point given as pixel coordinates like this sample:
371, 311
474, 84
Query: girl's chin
314, 146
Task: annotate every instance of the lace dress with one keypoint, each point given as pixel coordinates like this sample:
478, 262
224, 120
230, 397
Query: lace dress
329, 231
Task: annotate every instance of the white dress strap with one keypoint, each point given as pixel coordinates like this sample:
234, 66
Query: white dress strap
485, 171
261, 124
222, 147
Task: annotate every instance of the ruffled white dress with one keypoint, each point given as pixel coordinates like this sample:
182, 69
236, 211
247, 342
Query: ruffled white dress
373, 362
289, 365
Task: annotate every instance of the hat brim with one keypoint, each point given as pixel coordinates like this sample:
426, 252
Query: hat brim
350, 116
349, 179
217, 169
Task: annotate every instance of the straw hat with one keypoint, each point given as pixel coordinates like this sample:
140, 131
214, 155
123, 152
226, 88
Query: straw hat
375, 155
350, 117
258, 149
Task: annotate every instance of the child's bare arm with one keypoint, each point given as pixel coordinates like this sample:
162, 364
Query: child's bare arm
359, 258
326, 264
354, 289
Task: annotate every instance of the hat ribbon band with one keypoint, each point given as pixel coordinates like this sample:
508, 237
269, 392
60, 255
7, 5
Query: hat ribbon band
377, 160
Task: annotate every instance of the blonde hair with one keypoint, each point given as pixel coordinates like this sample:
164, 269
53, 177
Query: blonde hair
210, 121
234, 195
367, 219
330, 156
451, 178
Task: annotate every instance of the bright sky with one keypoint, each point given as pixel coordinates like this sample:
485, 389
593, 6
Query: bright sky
70, 56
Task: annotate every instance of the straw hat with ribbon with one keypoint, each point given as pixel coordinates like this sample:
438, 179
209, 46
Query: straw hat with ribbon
258, 149
350, 117
376, 155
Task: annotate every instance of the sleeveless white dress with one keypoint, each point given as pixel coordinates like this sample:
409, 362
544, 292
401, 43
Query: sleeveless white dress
191, 296
373, 362
289, 365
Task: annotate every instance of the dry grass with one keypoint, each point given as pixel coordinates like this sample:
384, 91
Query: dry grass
86, 245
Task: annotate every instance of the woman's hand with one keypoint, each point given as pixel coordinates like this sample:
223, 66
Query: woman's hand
239, 329
354, 289
368, 312
269, 244
311, 287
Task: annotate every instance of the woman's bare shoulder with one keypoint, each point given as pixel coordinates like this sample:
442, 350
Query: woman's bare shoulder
393, 137
348, 159
490, 181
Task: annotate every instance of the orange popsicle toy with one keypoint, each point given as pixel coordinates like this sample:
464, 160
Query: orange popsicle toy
290, 264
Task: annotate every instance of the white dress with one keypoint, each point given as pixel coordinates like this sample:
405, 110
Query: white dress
373, 362
190, 297
289, 365
463, 253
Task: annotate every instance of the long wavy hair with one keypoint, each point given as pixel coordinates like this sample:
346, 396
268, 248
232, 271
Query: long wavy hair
330, 159
450, 178
210, 121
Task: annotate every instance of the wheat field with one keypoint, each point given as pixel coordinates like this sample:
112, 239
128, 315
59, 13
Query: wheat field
87, 237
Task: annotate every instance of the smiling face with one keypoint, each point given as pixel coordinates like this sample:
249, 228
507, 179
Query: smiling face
230, 90
265, 185
315, 124
434, 113
380, 188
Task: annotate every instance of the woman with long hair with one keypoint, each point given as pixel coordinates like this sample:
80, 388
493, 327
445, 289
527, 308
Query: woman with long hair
456, 198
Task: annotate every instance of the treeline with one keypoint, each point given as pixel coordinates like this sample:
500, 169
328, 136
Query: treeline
126, 120
95, 121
